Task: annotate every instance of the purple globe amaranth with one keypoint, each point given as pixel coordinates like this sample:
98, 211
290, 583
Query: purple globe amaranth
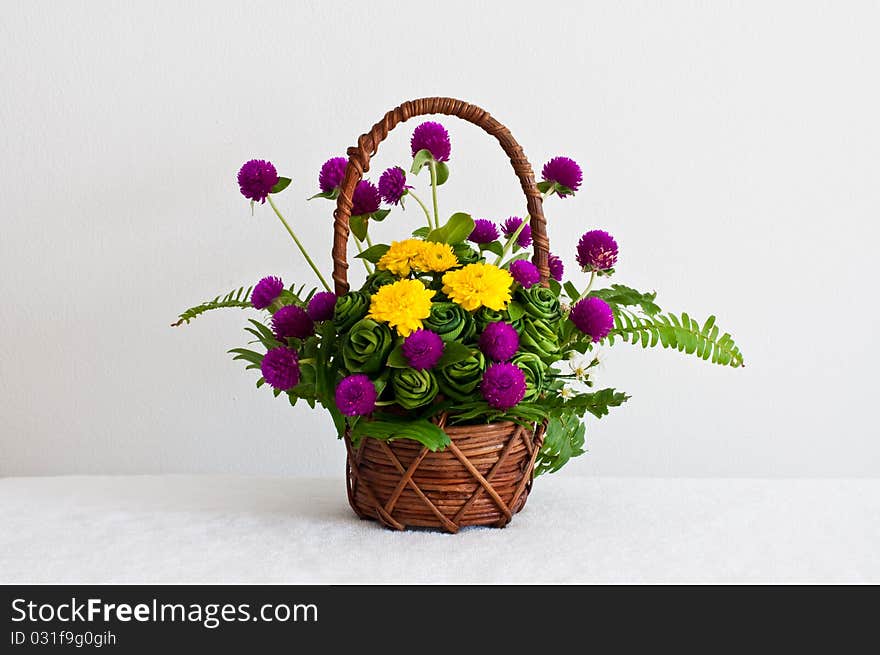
499, 341
593, 317
321, 306
557, 268
392, 185
280, 368
256, 179
525, 272
503, 385
524, 240
564, 172
356, 395
266, 292
485, 231
433, 137
365, 199
332, 172
422, 349
292, 321
597, 251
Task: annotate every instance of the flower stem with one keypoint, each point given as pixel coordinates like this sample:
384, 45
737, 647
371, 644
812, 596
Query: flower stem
298, 244
360, 250
587, 290
511, 240
424, 209
433, 167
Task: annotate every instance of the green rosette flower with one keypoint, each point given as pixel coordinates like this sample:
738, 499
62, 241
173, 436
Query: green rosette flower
377, 279
350, 308
451, 322
413, 388
465, 254
366, 346
539, 302
459, 381
484, 316
535, 371
538, 337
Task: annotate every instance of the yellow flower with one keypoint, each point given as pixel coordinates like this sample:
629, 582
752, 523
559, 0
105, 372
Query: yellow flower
401, 256
435, 257
403, 305
478, 285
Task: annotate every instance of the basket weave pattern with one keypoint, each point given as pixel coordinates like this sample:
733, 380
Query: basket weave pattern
484, 476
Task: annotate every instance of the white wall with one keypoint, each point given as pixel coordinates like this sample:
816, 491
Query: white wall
732, 148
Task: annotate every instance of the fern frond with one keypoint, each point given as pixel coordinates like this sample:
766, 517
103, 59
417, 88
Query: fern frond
681, 333
236, 298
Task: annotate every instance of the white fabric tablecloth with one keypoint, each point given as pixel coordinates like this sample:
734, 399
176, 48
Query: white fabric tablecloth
216, 529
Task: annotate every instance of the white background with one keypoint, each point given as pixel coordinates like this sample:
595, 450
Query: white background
732, 149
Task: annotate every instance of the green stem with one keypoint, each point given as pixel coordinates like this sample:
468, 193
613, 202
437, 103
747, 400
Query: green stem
589, 286
511, 240
298, 244
433, 167
424, 208
360, 250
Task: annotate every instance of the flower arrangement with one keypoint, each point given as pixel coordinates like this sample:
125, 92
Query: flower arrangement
454, 319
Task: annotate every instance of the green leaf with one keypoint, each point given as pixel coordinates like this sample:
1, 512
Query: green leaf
387, 427
329, 195
380, 214
421, 232
420, 159
442, 172
396, 358
358, 225
544, 186
453, 352
494, 247
236, 298
280, 185
571, 291
374, 253
515, 311
563, 440
455, 230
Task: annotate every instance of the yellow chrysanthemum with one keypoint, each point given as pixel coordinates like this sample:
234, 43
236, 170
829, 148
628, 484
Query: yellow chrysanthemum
435, 258
478, 285
403, 305
401, 257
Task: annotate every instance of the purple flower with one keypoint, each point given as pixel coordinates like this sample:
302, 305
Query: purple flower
422, 349
321, 306
332, 173
564, 172
525, 272
266, 291
485, 231
356, 395
280, 368
597, 251
431, 136
365, 199
392, 185
256, 179
593, 317
557, 268
503, 385
524, 240
499, 341
292, 321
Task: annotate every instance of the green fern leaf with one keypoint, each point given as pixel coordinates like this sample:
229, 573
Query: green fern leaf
240, 297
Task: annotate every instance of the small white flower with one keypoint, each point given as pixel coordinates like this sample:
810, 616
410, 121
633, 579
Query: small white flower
566, 392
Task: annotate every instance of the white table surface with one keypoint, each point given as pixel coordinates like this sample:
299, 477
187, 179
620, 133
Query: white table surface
216, 529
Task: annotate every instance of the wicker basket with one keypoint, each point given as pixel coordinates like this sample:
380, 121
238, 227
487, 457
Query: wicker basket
484, 476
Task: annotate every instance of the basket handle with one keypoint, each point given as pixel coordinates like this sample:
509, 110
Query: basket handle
368, 144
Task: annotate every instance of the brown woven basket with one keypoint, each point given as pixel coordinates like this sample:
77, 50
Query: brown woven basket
484, 476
